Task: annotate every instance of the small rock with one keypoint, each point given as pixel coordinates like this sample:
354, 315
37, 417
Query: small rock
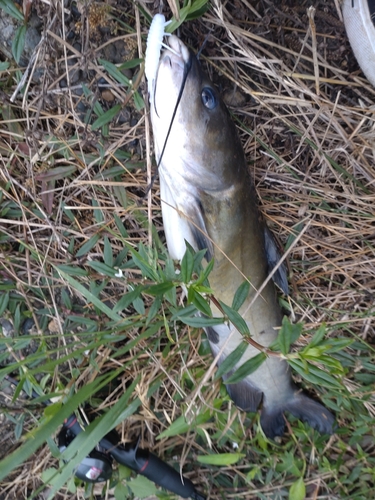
7, 327
108, 96
28, 327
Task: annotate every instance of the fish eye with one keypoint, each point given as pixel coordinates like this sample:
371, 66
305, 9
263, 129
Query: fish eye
209, 98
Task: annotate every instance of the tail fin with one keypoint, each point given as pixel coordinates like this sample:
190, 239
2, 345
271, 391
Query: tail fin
312, 412
303, 408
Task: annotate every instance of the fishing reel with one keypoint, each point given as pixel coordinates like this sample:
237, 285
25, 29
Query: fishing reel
95, 468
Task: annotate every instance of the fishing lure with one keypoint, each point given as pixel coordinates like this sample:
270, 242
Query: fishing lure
152, 60
153, 49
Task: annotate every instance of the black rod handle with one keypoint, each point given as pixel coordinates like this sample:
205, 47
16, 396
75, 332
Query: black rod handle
73, 425
163, 474
149, 465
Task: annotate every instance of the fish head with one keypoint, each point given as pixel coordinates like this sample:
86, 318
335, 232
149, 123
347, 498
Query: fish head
201, 145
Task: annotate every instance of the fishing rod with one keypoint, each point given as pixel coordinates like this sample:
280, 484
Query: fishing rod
97, 466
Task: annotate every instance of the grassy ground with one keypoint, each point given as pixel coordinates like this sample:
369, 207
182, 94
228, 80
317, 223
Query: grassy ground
76, 159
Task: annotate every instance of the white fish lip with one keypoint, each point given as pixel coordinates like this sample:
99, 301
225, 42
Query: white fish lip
173, 64
179, 53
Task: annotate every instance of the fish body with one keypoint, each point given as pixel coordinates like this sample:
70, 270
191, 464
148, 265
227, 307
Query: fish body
208, 200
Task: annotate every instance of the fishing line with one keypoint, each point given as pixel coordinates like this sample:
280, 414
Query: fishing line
204, 43
187, 69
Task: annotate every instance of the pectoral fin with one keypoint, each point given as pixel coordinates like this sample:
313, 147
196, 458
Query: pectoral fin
198, 229
273, 256
244, 395
183, 220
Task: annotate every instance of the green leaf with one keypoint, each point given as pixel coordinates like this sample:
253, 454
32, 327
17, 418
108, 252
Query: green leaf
89, 296
71, 217
330, 362
191, 10
56, 174
295, 231
49, 474
124, 472
12, 124
130, 64
65, 299
19, 427
200, 303
114, 71
154, 309
97, 107
102, 268
247, 368
297, 490
200, 321
178, 313
98, 214
144, 262
121, 194
241, 295
314, 374
187, 266
335, 345
120, 226
285, 336
110, 173
17, 318
139, 306
318, 336
90, 323
138, 101
106, 117
230, 361
289, 464
206, 272
86, 247
288, 334
236, 319
221, 459
142, 487
4, 65
107, 253
4, 301
71, 271
160, 288
181, 426
121, 491
10, 8
128, 299
18, 43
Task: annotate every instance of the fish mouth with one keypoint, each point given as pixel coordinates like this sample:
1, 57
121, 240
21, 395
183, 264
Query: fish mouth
177, 53
174, 66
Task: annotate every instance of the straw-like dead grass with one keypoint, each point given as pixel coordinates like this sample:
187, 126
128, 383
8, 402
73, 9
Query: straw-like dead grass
306, 119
